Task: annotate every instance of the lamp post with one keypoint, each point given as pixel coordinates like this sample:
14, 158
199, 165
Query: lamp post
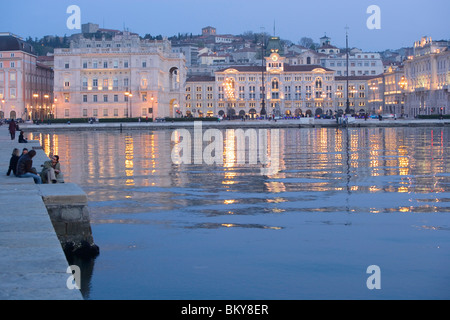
347, 109
263, 102
46, 97
403, 85
2, 113
35, 96
153, 110
129, 103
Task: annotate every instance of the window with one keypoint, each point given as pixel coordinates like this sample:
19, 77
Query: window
12, 93
105, 112
125, 64
66, 65
66, 83
85, 82
85, 98
12, 76
95, 112
95, 83
144, 64
13, 65
85, 112
66, 98
116, 98
144, 97
66, 113
105, 98
94, 98
105, 64
116, 112
95, 65
85, 65
116, 64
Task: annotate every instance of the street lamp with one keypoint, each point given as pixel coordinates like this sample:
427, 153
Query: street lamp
153, 110
2, 113
35, 96
129, 102
403, 85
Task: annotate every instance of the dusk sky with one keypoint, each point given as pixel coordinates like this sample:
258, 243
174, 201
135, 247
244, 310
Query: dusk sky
402, 22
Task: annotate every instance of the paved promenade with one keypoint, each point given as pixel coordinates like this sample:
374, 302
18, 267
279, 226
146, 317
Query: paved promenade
32, 263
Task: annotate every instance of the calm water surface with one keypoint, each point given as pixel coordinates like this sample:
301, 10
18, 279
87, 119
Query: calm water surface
341, 201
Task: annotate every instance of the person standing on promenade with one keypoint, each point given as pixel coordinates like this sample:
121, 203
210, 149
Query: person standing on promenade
12, 129
13, 162
25, 167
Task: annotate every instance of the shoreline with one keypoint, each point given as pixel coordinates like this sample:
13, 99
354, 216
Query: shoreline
235, 124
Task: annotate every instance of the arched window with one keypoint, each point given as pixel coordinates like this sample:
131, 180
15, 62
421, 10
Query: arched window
275, 84
308, 60
318, 83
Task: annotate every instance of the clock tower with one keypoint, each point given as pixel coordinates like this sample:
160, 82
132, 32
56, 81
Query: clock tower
275, 63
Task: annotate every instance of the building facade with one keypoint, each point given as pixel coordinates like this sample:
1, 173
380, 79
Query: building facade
118, 76
284, 90
26, 86
427, 75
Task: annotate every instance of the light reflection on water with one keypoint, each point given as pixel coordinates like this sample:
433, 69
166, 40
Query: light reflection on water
313, 219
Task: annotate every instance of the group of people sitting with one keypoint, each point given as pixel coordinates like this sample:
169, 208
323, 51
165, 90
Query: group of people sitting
22, 167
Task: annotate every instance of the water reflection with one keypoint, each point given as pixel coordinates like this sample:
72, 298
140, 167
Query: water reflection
134, 171
130, 178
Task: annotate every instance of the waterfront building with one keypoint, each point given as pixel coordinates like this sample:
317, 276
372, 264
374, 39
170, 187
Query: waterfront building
375, 99
118, 75
288, 90
360, 64
26, 86
358, 94
427, 75
394, 98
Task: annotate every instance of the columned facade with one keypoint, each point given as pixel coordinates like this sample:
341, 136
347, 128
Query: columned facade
120, 77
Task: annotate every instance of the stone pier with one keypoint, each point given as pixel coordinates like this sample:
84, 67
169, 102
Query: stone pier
38, 224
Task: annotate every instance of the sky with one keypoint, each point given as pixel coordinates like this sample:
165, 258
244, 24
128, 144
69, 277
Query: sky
402, 22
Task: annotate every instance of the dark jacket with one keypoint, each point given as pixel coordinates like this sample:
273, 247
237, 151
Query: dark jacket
12, 126
24, 165
22, 139
13, 164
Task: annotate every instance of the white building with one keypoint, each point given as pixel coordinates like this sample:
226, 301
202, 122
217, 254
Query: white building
306, 90
118, 76
360, 64
427, 75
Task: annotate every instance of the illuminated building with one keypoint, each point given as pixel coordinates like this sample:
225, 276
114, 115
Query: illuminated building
427, 75
26, 86
118, 75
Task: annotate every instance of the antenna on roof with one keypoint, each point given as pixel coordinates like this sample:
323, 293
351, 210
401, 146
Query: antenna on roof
274, 29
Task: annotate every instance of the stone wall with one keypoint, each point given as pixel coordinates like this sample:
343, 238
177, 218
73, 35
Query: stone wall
67, 207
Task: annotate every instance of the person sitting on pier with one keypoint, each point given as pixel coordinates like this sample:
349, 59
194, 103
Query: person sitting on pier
13, 162
51, 172
25, 167
21, 138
